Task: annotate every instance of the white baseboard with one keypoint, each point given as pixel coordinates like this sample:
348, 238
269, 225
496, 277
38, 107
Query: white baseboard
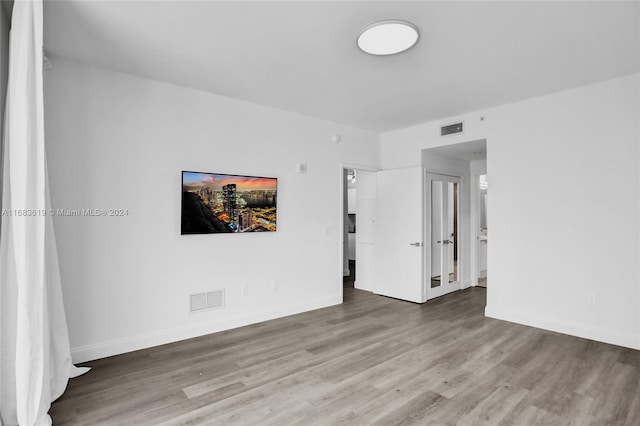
366, 287
161, 337
613, 337
466, 284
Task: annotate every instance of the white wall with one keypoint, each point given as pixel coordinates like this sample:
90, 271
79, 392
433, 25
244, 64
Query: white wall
564, 213
4, 71
118, 141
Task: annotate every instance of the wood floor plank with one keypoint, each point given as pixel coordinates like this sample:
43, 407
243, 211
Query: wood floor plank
413, 412
533, 416
493, 409
371, 360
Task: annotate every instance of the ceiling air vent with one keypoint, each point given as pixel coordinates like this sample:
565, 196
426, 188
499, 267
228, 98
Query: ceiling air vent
451, 129
209, 300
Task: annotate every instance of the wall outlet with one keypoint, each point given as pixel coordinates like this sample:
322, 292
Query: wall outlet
274, 286
245, 289
591, 298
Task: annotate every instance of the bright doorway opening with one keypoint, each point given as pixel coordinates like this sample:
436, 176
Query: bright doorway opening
482, 240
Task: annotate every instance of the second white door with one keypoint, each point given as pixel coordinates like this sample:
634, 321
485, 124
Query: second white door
399, 234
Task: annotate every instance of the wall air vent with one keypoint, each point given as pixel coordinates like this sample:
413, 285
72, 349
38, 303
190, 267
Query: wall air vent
452, 129
208, 300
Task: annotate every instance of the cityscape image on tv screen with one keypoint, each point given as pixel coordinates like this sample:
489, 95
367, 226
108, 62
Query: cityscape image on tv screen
215, 203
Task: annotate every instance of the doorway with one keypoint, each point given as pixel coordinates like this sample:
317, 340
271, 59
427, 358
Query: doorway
443, 230
467, 160
393, 249
482, 237
358, 227
349, 233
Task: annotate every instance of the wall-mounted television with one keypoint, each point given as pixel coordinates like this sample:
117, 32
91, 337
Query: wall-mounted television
214, 203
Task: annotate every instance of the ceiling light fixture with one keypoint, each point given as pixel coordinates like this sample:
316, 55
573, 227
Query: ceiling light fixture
388, 37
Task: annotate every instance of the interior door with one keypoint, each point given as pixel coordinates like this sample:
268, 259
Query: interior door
443, 234
365, 230
399, 234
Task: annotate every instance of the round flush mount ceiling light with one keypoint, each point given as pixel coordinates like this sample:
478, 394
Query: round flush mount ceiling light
388, 37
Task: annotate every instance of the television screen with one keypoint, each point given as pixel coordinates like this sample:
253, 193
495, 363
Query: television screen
215, 203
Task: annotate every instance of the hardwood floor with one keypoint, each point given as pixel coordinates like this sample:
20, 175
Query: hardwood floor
371, 360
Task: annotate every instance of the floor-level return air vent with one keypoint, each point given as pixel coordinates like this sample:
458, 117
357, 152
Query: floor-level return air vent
451, 129
208, 300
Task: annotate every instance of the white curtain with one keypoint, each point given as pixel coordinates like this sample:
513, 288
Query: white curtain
35, 360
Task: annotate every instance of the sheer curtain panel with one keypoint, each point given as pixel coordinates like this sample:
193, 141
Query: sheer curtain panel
35, 360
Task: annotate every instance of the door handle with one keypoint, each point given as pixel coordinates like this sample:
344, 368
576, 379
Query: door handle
444, 242
416, 244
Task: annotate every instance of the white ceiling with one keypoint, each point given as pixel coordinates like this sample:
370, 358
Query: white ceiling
301, 56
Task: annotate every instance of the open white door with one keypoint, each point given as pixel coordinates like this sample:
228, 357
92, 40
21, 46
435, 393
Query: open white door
365, 231
399, 234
